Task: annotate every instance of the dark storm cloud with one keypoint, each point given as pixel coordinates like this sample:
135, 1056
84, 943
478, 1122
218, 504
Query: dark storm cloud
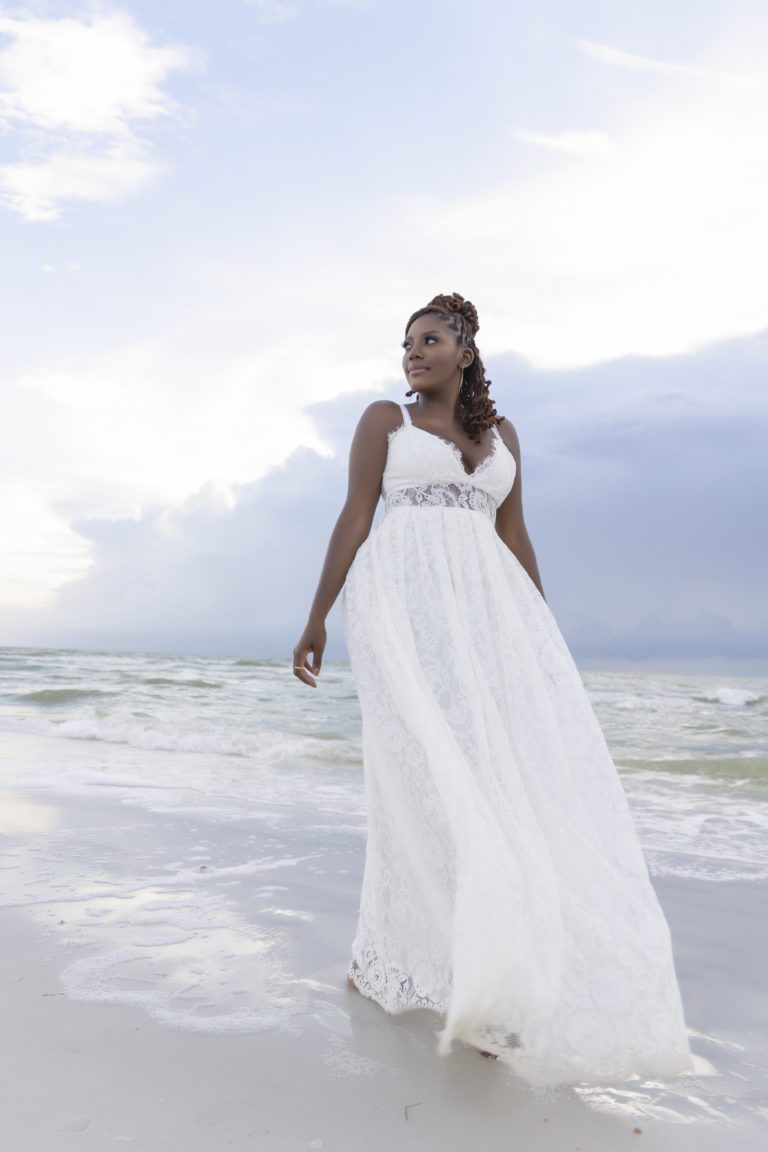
645, 486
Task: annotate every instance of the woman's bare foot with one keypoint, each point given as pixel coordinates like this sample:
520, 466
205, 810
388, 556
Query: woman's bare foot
351, 984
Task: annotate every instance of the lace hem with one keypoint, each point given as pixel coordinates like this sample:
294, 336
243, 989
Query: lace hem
443, 495
396, 993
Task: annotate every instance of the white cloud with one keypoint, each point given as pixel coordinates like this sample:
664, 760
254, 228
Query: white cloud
141, 424
276, 12
39, 551
272, 11
37, 191
359, 5
89, 76
635, 63
77, 89
575, 143
655, 245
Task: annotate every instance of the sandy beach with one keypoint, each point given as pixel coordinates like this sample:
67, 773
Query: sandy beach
99, 1053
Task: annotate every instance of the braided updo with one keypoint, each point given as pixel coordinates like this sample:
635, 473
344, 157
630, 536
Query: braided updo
478, 410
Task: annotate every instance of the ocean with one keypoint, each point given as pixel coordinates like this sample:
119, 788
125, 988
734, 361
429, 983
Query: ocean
224, 737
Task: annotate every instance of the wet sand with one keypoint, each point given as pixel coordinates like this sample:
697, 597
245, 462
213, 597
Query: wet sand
260, 1043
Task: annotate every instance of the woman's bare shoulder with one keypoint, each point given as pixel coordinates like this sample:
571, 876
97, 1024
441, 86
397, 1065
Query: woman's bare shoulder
380, 416
508, 433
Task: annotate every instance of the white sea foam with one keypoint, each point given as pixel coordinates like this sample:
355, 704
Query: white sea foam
205, 940
191, 1005
733, 697
165, 736
233, 740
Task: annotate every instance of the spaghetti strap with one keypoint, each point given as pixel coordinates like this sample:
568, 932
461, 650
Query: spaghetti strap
406, 414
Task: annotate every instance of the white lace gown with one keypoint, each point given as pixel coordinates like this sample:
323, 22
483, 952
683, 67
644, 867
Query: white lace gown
504, 884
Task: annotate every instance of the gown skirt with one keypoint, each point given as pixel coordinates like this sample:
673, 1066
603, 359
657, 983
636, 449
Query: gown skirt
504, 885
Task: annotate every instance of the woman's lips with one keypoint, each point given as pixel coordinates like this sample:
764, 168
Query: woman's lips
413, 371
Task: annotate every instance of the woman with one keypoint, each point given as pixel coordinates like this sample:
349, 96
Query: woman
504, 885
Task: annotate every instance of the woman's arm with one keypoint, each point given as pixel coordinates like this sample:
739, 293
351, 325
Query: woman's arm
367, 458
510, 523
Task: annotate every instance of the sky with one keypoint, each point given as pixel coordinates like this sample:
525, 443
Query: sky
215, 219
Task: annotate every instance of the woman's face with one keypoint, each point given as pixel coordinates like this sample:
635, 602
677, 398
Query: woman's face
431, 354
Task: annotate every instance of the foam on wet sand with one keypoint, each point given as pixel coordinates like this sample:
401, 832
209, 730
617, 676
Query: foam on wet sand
175, 981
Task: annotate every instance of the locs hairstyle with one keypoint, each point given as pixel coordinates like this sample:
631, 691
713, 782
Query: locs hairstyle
478, 410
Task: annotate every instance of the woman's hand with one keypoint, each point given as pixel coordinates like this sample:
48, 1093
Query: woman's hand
312, 639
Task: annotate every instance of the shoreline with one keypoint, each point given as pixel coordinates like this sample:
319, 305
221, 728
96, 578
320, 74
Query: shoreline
87, 1058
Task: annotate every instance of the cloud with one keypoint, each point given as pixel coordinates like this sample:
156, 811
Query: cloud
656, 244
72, 266
633, 63
276, 12
37, 190
272, 11
72, 94
138, 425
575, 143
89, 76
645, 482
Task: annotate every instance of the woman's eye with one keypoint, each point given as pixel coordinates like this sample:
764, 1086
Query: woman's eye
406, 343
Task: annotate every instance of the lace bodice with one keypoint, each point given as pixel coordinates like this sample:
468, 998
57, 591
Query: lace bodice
425, 469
